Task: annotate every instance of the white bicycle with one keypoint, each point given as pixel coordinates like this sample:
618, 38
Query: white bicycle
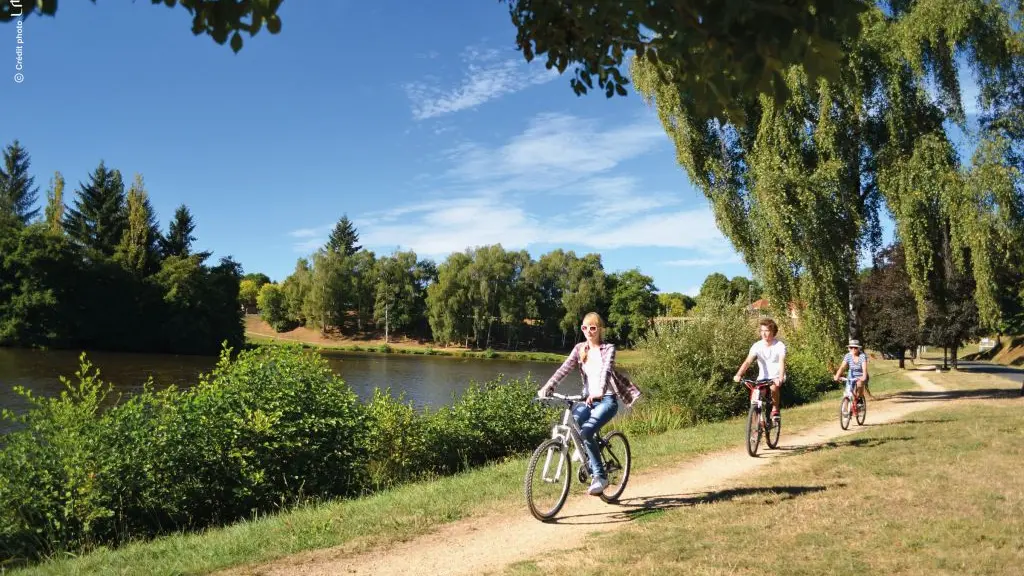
550, 470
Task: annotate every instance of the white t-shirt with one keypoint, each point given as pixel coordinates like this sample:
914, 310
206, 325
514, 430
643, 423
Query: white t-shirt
592, 367
769, 358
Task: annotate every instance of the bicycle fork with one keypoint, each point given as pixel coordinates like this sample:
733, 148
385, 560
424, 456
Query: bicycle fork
561, 432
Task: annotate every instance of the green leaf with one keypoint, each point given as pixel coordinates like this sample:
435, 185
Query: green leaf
274, 24
236, 42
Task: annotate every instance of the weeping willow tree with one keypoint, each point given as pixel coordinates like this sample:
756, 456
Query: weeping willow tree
798, 185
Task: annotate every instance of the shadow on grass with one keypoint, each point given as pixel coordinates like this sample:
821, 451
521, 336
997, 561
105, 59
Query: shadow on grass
976, 394
832, 445
631, 509
991, 368
910, 421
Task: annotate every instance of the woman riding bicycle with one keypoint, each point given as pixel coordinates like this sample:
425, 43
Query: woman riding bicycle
857, 362
596, 360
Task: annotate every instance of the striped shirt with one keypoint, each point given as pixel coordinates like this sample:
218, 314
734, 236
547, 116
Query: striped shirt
574, 361
856, 366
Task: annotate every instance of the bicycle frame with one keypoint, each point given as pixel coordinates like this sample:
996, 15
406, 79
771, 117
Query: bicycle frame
565, 430
756, 393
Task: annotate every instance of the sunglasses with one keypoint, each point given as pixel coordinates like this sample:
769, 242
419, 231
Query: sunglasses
591, 328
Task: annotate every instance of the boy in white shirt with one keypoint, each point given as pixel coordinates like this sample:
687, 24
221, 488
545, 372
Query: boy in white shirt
771, 361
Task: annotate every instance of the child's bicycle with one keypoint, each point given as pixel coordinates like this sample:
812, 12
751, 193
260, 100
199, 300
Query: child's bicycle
759, 420
549, 473
848, 408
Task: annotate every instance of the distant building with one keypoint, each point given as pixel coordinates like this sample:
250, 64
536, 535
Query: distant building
762, 307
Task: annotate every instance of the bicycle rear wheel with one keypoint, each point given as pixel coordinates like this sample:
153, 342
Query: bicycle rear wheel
753, 429
845, 408
547, 479
862, 410
617, 462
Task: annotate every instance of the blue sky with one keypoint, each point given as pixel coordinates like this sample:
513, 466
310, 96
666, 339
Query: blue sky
420, 121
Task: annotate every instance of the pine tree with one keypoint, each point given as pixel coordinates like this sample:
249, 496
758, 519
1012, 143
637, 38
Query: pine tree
54, 214
178, 241
17, 191
99, 216
344, 237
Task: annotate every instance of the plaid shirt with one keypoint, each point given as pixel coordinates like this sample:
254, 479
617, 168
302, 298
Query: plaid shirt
574, 361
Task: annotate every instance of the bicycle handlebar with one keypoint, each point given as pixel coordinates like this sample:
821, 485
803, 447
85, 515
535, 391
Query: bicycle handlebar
557, 396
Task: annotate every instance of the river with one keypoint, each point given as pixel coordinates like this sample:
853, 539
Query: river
426, 380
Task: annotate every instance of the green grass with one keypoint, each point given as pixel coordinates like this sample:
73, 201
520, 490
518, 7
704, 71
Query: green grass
409, 510
423, 350
938, 493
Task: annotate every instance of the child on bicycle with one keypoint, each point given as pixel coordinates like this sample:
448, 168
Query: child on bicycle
857, 362
596, 360
771, 361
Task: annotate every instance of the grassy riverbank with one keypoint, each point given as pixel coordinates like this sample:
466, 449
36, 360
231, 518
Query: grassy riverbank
624, 358
388, 517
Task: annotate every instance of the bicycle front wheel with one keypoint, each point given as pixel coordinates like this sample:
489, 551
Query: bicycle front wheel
547, 479
753, 429
845, 409
617, 461
862, 410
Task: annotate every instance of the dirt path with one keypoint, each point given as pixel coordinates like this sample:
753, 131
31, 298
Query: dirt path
481, 545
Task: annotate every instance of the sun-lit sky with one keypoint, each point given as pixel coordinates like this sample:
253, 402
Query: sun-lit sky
420, 121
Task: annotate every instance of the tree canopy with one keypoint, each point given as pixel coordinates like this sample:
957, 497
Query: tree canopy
717, 52
218, 19
798, 185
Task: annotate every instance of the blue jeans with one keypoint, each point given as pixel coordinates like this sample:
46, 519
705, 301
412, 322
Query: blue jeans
590, 421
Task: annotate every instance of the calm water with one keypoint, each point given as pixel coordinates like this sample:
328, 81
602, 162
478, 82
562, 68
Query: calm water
426, 380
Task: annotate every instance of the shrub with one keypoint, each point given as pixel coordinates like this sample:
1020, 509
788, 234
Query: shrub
690, 364
397, 439
488, 421
52, 472
272, 428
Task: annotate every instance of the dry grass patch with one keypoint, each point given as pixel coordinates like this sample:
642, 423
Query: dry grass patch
939, 494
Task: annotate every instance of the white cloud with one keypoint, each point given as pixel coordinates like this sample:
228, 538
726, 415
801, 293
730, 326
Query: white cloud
561, 181
305, 232
309, 239
732, 258
555, 150
487, 76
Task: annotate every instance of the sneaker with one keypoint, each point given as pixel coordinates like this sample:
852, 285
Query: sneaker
597, 487
776, 416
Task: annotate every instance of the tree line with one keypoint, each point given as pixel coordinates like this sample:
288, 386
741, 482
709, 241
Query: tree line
98, 273
483, 297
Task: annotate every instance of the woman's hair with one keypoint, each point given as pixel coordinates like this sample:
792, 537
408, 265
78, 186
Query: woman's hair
600, 327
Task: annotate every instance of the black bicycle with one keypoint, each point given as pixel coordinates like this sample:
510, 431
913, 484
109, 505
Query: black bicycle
759, 421
549, 473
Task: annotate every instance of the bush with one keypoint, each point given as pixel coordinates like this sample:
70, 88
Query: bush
688, 367
272, 428
397, 439
52, 472
489, 421
690, 364
268, 430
